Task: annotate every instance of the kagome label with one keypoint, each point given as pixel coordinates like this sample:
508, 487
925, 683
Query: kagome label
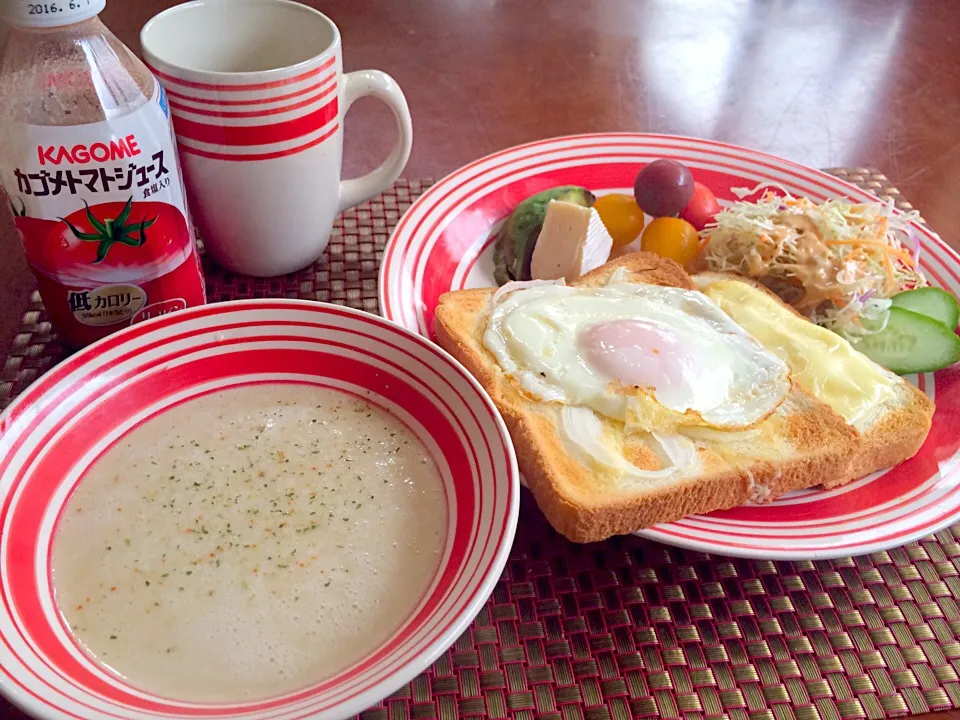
103, 219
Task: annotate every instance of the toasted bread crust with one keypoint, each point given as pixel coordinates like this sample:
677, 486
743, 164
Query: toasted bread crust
894, 437
586, 506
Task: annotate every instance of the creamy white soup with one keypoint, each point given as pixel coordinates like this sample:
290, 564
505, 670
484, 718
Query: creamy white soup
250, 542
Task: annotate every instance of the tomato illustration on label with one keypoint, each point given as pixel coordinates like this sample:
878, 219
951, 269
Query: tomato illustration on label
109, 231
115, 241
107, 242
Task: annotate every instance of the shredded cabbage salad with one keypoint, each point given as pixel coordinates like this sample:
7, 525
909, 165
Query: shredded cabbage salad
837, 262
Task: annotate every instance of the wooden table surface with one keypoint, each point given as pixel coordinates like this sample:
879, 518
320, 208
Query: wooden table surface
824, 83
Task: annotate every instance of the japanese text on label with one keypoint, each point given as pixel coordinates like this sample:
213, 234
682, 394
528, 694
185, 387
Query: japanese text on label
149, 177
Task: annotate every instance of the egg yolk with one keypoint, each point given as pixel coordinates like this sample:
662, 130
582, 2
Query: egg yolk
636, 352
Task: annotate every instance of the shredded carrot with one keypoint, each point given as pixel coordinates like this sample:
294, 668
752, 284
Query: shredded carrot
859, 244
885, 249
854, 243
904, 257
888, 264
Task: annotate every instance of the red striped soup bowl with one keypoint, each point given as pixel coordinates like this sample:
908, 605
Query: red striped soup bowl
63, 422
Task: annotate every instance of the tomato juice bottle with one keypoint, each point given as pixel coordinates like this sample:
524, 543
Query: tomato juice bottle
89, 165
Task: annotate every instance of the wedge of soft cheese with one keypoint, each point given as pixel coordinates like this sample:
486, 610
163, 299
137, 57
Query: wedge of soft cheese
573, 241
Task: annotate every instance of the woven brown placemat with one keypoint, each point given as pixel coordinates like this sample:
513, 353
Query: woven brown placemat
629, 628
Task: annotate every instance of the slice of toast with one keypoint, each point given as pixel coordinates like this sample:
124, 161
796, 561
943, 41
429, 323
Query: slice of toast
802, 444
891, 434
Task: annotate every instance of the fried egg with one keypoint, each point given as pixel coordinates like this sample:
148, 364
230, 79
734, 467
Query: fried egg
656, 358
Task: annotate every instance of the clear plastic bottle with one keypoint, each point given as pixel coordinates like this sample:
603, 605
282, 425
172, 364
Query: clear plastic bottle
89, 165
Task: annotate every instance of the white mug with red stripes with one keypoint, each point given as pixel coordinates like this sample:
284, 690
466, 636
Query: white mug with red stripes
258, 94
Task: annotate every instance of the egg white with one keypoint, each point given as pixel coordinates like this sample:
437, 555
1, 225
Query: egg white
734, 383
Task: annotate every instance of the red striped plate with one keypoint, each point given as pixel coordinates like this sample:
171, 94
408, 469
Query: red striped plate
442, 243
60, 425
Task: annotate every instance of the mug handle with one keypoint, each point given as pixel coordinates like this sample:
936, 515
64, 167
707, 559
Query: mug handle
373, 82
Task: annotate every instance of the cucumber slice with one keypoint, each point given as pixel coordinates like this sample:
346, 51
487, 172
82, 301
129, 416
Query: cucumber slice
911, 343
932, 302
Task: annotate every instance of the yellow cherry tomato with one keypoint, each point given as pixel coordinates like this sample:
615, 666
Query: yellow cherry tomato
622, 217
671, 238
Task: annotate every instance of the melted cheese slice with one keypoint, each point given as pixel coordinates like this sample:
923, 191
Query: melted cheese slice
821, 362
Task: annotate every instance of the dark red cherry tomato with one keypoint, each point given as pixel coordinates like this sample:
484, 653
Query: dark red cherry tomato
663, 188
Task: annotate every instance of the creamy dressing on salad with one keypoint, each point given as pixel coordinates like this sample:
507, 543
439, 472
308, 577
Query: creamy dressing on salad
249, 543
813, 265
836, 261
